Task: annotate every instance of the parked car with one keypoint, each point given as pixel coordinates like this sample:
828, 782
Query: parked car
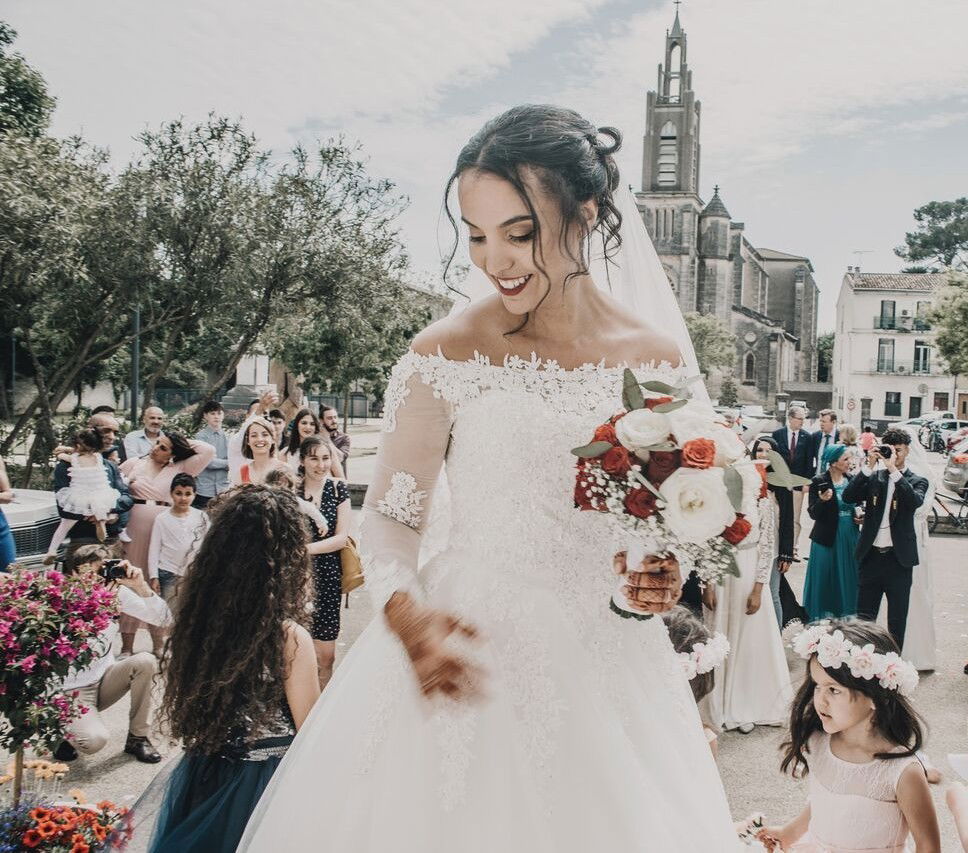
955, 477
941, 431
957, 437
33, 518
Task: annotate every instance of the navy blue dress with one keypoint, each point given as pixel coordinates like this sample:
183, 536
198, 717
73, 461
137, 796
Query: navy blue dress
328, 568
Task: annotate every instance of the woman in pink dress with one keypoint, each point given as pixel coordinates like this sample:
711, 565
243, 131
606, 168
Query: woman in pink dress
149, 478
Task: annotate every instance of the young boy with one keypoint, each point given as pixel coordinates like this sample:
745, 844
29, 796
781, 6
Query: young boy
175, 536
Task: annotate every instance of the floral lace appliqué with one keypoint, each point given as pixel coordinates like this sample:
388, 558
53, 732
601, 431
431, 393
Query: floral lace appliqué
402, 501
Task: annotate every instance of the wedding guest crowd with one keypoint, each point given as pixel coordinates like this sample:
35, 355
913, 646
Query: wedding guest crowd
140, 442
213, 479
795, 445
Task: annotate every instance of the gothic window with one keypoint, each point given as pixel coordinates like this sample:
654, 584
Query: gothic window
749, 368
668, 155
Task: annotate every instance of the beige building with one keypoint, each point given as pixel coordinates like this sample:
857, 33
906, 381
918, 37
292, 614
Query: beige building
885, 366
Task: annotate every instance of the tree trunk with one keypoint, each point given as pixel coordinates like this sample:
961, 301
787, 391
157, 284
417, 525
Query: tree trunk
172, 339
346, 407
45, 425
18, 775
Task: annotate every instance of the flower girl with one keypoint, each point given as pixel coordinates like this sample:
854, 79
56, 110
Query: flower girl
89, 494
853, 729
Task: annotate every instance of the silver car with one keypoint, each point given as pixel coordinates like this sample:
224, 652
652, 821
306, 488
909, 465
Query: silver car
956, 469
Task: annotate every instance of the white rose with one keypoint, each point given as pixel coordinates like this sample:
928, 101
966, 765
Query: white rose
694, 420
642, 428
697, 505
729, 446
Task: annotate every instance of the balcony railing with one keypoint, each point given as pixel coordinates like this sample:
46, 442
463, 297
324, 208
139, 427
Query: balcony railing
904, 323
893, 366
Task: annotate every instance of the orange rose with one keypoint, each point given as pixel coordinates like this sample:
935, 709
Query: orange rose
606, 432
661, 464
764, 486
640, 503
737, 531
699, 453
617, 462
657, 401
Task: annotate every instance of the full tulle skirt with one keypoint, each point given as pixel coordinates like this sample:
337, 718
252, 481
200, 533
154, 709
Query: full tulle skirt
579, 744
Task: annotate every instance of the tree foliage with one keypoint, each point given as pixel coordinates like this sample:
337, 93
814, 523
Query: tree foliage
25, 106
825, 356
715, 344
941, 237
949, 316
728, 395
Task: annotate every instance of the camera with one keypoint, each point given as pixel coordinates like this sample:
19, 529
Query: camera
886, 451
112, 570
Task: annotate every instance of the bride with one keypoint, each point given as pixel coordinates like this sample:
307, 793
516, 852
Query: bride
497, 704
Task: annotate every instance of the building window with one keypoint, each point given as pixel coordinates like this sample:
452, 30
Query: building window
668, 155
749, 368
892, 404
922, 355
885, 355
941, 401
914, 407
865, 410
886, 320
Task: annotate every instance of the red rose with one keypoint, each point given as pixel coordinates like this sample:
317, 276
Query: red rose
738, 530
606, 432
699, 453
652, 402
661, 464
582, 486
640, 503
616, 462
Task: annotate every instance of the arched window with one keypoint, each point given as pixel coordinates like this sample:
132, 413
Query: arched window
749, 368
668, 155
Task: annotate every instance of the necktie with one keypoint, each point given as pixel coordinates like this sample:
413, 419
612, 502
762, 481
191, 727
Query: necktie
793, 445
821, 465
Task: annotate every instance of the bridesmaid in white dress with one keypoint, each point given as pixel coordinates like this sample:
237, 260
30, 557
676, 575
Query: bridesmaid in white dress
920, 642
753, 684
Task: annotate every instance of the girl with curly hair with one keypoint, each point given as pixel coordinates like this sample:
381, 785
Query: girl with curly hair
239, 669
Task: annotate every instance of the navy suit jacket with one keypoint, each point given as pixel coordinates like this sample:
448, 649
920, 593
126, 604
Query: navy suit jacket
801, 465
909, 494
815, 439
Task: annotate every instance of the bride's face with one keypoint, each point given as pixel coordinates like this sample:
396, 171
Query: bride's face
502, 234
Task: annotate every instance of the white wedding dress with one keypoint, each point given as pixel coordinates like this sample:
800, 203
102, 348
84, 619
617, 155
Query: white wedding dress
588, 737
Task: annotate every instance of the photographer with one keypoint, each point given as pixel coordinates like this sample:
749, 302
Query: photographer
106, 680
887, 550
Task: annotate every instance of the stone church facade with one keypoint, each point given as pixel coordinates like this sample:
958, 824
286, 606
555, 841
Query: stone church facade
768, 298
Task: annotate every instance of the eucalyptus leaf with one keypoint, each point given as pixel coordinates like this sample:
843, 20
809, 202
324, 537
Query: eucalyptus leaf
670, 407
589, 451
631, 392
659, 387
781, 476
648, 485
734, 487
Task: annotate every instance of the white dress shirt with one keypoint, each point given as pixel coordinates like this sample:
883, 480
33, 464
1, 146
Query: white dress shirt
174, 540
883, 538
137, 444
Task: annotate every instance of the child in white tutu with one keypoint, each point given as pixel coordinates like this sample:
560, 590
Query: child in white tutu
853, 729
90, 494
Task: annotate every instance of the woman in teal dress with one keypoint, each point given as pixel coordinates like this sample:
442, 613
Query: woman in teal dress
830, 590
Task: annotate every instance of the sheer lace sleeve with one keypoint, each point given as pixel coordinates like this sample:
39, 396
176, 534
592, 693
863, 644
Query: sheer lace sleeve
416, 432
766, 547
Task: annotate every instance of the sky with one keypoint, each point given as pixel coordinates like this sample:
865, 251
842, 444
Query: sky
824, 123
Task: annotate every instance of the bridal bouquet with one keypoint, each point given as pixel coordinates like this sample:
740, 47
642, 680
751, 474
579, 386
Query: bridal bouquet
674, 478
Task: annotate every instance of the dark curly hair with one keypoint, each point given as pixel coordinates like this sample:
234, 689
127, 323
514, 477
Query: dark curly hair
685, 630
294, 439
572, 161
89, 439
896, 436
894, 717
224, 663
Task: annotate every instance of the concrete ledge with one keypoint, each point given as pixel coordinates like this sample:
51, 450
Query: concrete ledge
357, 494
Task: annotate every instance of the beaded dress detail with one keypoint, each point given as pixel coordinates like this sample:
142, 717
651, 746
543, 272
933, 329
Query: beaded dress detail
588, 736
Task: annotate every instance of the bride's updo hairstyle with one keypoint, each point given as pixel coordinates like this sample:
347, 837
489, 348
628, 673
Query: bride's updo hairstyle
572, 160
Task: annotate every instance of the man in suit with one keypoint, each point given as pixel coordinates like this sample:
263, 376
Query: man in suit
887, 549
827, 435
794, 445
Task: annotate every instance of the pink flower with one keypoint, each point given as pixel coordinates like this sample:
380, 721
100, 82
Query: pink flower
56, 578
28, 663
64, 648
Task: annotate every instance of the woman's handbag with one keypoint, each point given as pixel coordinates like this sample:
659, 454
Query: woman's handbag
352, 567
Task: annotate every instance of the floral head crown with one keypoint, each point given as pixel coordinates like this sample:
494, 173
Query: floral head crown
833, 649
704, 657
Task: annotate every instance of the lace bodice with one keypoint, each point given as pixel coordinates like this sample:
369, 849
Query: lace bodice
506, 432
854, 806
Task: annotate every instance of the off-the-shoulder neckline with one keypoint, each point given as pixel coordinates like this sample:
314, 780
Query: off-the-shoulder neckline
549, 365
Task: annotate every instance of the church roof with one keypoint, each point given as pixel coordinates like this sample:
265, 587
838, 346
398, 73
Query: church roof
774, 255
924, 282
716, 206
676, 26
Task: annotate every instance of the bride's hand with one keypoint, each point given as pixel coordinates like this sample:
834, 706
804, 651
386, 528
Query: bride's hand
655, 588
424, 633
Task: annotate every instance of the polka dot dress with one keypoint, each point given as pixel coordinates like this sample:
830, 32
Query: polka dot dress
328, 568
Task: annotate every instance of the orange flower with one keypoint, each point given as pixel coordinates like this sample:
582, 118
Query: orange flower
31, 838
617, 462
100, 831
699, 453
47, 828
79, 844
105, 806
652, 402
764, 486
38, 814
606, 432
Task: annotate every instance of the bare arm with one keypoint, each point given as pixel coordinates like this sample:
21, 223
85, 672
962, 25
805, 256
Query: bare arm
914, 800
337, 541
302, 679
781, 838
6, 493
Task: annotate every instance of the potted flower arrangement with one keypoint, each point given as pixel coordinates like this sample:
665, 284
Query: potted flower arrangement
48, 624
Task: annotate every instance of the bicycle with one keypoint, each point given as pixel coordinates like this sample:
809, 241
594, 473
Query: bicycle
952, 522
